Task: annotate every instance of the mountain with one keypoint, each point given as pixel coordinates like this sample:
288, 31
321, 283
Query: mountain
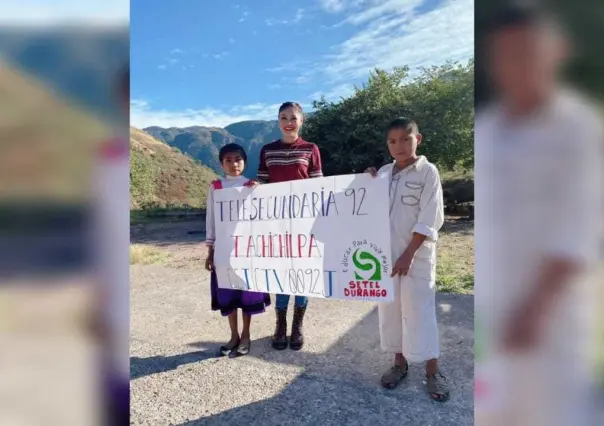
77, 63
204, 143
161, 175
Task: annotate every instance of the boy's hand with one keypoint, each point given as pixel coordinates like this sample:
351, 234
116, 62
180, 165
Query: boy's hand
524, 329
252, 183
372, 171
402, 264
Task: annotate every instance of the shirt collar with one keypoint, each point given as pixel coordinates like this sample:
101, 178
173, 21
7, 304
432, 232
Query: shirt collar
418, 165
227, 177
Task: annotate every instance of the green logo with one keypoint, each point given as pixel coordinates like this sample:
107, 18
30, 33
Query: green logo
366, 262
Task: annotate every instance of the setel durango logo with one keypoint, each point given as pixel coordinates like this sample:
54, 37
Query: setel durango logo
366, 265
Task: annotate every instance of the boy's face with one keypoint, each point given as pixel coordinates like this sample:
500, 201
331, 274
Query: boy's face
403, 145
290, 121
233, 164
524, 61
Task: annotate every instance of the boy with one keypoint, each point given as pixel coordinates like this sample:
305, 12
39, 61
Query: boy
408, 326
539, 210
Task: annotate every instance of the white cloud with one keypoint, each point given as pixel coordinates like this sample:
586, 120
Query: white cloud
220, 56
332, 5
60, 12
162, 67
391, 33
142, 114
289, 66
295, 20
176, 51
335, 93
244, 16
232, 40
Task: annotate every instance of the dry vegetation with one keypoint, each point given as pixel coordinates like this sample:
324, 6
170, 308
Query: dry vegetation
147, 254
161, 176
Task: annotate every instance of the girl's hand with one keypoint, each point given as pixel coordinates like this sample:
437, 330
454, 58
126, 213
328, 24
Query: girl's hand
210, 263
372, 171
252, 183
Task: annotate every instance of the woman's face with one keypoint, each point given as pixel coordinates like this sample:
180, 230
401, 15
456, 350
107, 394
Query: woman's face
290, 121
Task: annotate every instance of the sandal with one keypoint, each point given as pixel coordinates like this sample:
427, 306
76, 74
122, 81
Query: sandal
394, 376
241, 350
226, 351
437, 387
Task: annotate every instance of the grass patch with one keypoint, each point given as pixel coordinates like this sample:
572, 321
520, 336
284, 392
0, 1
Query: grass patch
146, 254
452, 176
165, 214
455, 259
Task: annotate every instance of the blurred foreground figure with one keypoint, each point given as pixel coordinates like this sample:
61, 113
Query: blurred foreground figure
538, 219
112, 235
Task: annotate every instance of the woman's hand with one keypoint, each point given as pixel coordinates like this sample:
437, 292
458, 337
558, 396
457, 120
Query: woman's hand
252, 183
372, 171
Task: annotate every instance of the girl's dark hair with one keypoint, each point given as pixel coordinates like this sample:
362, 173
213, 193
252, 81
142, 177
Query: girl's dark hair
232, 148
407, 124
296, 107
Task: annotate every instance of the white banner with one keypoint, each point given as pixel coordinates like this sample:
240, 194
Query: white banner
325, 237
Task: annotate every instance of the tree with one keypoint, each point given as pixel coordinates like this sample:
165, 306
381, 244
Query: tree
351, 133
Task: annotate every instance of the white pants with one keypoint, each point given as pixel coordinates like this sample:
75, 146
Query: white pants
408, 324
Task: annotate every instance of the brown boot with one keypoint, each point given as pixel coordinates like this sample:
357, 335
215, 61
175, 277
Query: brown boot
280, 336
296, 340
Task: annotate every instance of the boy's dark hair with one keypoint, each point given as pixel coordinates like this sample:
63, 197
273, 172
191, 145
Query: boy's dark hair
516, 14
232, 148
407, 124
296, 107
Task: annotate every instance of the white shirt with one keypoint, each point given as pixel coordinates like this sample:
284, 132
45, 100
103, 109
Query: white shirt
416, 205
227, 182
112, 241
538, 187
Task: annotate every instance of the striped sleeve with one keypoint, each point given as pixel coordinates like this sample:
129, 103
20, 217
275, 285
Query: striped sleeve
262, 174
314, 168
210, 223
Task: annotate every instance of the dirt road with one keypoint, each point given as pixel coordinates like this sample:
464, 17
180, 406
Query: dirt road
178, 380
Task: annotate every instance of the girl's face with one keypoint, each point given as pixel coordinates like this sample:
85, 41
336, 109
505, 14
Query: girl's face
233, 164
290, 121
402, 145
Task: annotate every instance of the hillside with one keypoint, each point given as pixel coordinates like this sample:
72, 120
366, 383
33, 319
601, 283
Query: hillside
162, 176
203, 143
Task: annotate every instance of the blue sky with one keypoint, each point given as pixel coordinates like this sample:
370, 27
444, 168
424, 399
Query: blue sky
212, 63
73, 47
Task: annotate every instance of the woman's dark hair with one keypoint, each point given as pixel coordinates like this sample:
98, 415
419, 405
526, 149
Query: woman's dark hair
296, 107
232, 148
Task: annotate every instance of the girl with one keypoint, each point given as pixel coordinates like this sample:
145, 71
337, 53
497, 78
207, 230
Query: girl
289, 158
232, 157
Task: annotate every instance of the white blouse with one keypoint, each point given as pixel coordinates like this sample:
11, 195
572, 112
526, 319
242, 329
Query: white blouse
227, 182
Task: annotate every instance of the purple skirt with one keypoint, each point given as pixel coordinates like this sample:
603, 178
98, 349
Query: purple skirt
226, 300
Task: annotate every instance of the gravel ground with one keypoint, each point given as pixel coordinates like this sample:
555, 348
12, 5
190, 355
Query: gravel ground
178, 380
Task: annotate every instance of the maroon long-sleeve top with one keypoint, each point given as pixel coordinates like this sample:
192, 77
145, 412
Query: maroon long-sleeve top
282, 162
